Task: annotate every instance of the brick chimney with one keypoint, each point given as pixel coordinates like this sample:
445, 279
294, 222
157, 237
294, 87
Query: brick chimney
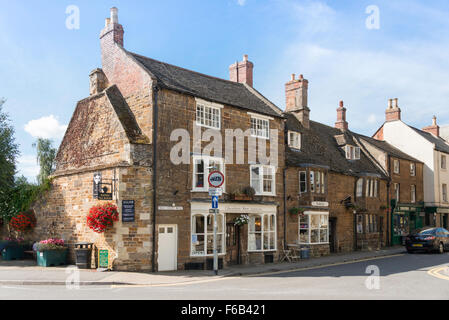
296, 99
113, 31
242, 72
98, 81
434, 128
341, 118
393, 112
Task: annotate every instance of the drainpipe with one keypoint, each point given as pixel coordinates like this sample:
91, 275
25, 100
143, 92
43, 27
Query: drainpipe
284, 173
155, 132
389, 209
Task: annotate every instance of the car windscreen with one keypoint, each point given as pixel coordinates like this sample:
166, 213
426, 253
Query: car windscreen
427, 231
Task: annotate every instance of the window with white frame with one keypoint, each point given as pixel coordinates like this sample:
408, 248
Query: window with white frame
443, 161
294, 140
412, 169
413, 193
262, 232
202, 166
260, 127
352, 152
202, 232
263, 179
359, 191
314, 228
312, 181
445, 192
396, 166
372, 186
208, 114
396, 191
302, 182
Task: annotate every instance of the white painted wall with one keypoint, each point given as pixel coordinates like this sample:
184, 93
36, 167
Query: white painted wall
409, 141
443, 177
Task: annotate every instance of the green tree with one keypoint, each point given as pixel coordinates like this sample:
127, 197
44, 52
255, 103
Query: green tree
8, 154
46, 155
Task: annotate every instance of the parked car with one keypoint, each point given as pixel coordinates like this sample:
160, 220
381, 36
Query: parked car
428, 239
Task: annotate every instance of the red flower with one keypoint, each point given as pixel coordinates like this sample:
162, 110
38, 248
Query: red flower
24, 221
102, 216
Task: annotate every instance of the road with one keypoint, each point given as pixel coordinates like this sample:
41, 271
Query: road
416, 276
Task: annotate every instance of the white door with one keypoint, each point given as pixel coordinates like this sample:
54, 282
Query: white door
167, 248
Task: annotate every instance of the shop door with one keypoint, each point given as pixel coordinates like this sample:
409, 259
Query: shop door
333, 234
167, 252
445, 221
232, 244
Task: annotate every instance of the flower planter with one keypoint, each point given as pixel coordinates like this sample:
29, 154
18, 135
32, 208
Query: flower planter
240, 197
52, 258
12, 252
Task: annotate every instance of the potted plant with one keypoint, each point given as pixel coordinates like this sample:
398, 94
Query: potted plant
242, 220
102, 216
51, 252
12, 249
296, 210
246, 194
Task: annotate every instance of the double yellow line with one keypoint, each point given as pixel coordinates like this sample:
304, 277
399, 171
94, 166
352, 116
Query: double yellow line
436, 272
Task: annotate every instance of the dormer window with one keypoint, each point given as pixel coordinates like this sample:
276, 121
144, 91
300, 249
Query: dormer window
352, 152
294, 140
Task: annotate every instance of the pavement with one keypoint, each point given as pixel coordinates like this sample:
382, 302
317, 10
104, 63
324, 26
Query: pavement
26, 272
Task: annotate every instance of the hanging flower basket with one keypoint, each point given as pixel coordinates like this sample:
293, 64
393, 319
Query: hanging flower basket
242, 220
295, 210
101, 217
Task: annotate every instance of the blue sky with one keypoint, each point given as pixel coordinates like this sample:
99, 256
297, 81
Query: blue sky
44, 66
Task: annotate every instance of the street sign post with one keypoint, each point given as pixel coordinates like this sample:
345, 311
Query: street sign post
216, 180
214, 202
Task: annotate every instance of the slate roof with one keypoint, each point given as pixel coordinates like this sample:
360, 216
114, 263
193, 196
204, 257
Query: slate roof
319, 147
440, 144
208, 87
388, 148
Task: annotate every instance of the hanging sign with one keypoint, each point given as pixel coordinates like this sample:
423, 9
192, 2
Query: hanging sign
105, 191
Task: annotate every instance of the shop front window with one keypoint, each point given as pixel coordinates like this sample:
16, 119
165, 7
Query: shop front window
314, 228
262, 232
203, 234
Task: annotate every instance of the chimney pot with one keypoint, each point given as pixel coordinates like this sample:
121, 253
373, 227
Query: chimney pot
301, 77
341, 104
390, 103
434, 120
341, 123
293, 76
114, 15
245, 57
107, 22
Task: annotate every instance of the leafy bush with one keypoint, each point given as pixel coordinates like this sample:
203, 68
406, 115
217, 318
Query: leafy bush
102, 216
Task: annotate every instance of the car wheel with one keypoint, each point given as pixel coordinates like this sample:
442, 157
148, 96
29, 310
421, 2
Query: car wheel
441, 248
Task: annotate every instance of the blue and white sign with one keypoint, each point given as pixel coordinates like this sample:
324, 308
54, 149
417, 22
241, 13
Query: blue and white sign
214, 202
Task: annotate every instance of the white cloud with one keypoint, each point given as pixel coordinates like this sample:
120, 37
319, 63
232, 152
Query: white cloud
46, 127
241, 2
28, 167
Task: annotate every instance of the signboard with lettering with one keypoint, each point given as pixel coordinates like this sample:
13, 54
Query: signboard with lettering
128, 211
105, 191
103, 258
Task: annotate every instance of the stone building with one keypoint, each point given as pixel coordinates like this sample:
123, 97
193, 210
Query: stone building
153, 132
405, 188
330, 177
427, 146
150, 133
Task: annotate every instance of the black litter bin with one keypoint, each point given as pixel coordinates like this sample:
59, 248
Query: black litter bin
83, 252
